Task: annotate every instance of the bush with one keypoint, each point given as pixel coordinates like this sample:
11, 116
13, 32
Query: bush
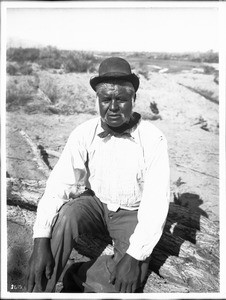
74, 100
49, 88
11, 69
208, 57
21, 55
26, 69
208, 70
143, 70
49, 52
79, 62
211, 57
27, 95
74, 63
17, 95
51, 57
50, 63
15, 69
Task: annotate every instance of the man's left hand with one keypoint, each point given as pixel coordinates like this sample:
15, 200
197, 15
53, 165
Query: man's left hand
126, 274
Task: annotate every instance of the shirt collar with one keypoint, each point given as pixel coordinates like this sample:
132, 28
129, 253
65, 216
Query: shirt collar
130, 131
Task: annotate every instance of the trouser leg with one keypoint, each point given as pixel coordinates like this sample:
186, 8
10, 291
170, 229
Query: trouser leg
95, 274
79, 216
121, 226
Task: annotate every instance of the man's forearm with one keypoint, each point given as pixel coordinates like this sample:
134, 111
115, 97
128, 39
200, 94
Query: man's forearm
41, 245
42, 241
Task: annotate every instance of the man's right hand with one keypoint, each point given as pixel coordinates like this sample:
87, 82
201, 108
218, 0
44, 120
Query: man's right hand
41, 265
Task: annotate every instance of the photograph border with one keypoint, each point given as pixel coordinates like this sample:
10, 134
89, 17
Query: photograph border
221, 5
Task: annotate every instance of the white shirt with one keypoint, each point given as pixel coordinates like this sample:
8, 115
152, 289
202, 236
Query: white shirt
127, 172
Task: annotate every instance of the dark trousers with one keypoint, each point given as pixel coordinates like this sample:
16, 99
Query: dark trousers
88, 215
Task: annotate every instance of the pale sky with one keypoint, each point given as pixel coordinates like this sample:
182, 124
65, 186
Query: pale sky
117, 29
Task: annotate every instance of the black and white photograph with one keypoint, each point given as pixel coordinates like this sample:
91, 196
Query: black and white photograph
112, 150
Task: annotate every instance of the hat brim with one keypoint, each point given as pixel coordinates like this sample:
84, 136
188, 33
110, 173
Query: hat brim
134, 79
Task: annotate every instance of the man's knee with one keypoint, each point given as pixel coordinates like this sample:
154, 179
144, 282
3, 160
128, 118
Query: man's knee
69, 216
79, 216
71, 209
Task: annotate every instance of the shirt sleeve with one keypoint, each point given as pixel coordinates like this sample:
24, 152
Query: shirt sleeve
68, 176
154, 204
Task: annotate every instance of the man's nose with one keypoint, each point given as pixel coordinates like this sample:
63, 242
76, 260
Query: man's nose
113, 105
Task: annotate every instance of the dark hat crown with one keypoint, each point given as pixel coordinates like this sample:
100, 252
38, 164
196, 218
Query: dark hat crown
114, 65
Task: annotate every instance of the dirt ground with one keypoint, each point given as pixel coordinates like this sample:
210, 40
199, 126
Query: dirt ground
193, 150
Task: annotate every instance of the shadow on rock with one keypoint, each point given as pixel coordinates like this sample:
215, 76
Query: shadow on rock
182, 224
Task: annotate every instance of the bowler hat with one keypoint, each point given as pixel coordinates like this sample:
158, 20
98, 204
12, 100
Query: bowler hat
115, 68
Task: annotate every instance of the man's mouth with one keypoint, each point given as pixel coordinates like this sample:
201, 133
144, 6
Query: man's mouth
114, 116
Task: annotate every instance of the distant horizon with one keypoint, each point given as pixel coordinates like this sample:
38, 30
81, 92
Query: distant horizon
31, 44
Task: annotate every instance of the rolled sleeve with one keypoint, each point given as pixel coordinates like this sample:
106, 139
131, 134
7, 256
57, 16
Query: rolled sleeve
68, 176
154, 204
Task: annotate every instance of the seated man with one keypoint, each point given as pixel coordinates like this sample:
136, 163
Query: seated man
112, 178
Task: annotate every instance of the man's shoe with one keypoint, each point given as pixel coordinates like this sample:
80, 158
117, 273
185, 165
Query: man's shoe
89, 277
70, 282
95, 275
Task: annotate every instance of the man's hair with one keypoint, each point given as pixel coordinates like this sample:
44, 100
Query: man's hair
126, 84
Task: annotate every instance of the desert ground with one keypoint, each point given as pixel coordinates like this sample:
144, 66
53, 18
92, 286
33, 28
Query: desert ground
57, 102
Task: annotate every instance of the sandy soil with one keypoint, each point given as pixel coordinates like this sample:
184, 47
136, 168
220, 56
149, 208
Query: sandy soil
193, 151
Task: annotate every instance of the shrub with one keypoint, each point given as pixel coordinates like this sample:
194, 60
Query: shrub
143, 70
51, 57
22, 54
26, 69
50, 63
11, 69
74, 63
208, 70
211, 57
48, 86
79, 62
49, 52
75, 100
15, 69
15, 54
17, 95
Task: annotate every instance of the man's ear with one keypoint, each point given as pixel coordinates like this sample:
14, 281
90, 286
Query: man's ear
134, 99
97, 105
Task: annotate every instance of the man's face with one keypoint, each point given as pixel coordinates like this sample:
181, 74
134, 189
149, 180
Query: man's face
115, 103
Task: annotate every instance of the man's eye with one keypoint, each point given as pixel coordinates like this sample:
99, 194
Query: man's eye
122, 100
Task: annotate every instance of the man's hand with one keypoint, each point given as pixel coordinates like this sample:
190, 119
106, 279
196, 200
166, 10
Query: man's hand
126, 274
41, 265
